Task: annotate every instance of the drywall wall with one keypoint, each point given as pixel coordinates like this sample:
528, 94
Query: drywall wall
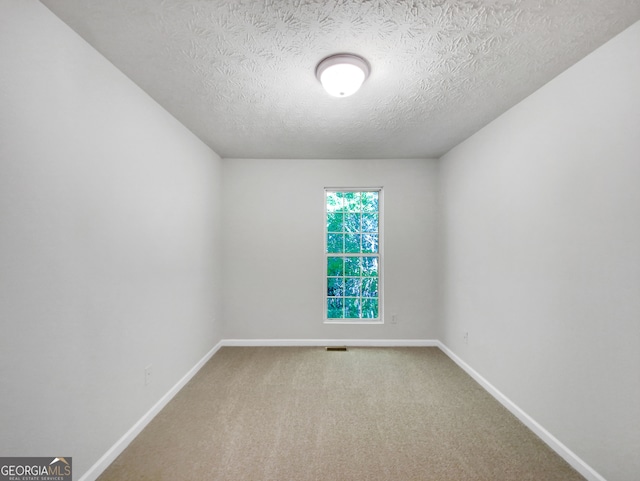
108, 244
274, 250
541, 249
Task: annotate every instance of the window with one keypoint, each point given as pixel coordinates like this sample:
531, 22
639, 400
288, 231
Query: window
353, 255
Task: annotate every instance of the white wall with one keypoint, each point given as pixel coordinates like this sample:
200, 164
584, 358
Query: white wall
541, 235
108, 241
273, 243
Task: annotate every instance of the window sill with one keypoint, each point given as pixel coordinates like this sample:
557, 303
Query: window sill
349, 321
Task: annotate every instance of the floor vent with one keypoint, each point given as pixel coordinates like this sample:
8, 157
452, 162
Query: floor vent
336, 348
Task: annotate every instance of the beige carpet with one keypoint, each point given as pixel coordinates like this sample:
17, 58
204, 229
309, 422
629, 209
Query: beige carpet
290, 413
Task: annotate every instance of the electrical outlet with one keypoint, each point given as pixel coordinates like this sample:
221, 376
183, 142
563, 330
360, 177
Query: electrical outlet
147, 375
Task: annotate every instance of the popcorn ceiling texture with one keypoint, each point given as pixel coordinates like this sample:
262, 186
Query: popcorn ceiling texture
241, 74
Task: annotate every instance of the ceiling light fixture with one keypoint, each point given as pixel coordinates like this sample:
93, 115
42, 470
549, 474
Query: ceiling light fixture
342, 75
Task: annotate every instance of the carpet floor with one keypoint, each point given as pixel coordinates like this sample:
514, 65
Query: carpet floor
305, 414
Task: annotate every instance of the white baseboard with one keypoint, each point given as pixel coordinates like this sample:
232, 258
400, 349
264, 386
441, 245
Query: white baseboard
98, 468
333, 342
563, 451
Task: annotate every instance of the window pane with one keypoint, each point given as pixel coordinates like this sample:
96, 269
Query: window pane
370, 266
369, 201
334, 201
335, 308
370, 243
369, 222
335, 266
351, 201
334, 222
335, 243
352, 243
352, 266
352, 287
352, 308
370, 287
335, 286
370, 308
352, 222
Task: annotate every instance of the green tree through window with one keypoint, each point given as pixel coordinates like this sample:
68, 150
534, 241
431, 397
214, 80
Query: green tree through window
352, 228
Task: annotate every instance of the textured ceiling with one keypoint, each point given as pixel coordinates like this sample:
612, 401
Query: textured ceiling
241, 74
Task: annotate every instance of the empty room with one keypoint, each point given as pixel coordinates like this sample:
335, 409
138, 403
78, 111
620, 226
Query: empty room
219, 262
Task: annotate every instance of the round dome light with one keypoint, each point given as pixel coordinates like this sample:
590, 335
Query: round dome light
342, 75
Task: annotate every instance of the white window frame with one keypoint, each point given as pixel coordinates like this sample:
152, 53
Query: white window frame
379, 255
